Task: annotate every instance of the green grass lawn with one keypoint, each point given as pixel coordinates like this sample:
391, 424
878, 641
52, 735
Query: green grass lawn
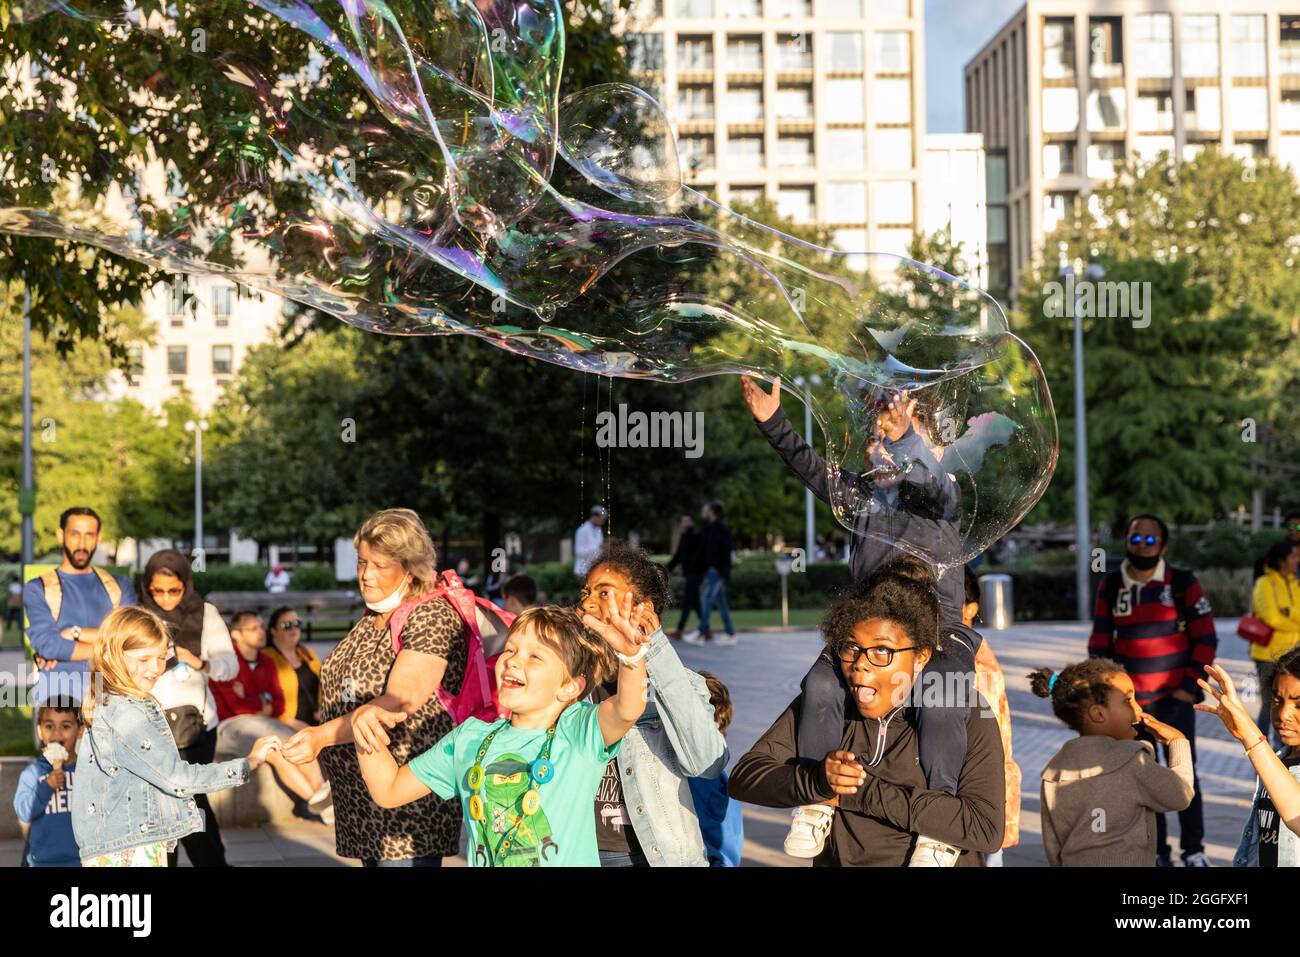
16, 732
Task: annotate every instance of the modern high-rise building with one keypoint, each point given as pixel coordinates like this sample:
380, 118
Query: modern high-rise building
955, 178
817, 105
1069, 90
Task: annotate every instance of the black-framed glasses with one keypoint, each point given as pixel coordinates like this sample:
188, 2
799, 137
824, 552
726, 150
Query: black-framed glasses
878, 656
1144, 539
289, 625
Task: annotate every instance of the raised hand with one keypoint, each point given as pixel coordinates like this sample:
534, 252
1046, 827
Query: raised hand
621, 627
370, 724
762, 405
894, 421
1225, 702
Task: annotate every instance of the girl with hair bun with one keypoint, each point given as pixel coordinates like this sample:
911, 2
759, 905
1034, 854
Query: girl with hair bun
1102, 791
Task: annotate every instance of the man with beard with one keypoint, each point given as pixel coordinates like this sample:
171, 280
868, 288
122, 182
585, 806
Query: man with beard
65, 606
1155, 621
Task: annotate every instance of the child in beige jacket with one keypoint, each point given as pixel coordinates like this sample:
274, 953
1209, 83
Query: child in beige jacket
1103, 789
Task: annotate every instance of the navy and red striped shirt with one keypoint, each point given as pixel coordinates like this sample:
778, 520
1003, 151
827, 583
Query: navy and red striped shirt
1142, 632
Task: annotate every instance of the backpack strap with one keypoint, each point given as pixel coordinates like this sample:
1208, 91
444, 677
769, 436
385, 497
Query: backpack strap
53, 592
54, 589
110, 585
453, 590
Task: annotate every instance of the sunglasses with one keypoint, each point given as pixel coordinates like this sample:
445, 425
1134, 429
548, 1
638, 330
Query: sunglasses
169, 592
289, 625
1144, 539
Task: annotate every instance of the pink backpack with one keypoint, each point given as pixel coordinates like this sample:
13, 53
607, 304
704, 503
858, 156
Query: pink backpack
478, 690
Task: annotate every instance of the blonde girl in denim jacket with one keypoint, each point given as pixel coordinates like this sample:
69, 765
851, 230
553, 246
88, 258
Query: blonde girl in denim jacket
134, 797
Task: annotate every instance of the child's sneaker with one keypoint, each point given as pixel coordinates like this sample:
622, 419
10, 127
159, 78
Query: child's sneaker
693, 638
809, 830
932, 853
727, 639
321, 799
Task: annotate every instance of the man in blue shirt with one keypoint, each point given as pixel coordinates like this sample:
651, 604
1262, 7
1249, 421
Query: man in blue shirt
64, 608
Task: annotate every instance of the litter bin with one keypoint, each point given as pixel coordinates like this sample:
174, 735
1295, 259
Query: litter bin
996, 606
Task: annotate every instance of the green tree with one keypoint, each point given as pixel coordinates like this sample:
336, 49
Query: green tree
90, 445
1232, 233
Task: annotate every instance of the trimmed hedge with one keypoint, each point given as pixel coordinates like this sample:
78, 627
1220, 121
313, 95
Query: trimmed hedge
1048, 594
310, 577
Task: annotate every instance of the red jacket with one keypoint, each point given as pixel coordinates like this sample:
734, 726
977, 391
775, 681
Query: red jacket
243, 694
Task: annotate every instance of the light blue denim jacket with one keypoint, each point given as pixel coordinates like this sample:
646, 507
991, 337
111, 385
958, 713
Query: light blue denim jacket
675, 739
1288, 844
132, 787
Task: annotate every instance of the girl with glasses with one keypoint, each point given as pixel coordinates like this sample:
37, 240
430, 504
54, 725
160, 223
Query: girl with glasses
881, 633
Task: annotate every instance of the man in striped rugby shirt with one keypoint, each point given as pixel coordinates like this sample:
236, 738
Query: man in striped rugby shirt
1155, 620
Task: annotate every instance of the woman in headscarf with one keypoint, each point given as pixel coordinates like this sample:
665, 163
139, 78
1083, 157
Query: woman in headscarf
202, 652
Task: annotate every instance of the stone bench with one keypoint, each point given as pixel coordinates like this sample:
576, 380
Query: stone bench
260, 801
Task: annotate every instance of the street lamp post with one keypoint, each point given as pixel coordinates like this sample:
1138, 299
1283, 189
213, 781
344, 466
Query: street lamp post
198, 428
27, 493
809, 519
1082, 545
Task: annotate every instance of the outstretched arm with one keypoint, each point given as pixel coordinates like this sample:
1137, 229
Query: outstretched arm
797, 454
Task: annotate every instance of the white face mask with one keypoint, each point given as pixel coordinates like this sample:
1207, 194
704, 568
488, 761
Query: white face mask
385, 605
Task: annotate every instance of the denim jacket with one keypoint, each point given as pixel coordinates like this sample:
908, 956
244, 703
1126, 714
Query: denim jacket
1288, 844
132, 787
675, 739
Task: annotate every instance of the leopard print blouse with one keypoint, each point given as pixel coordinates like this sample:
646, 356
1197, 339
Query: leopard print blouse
356, 672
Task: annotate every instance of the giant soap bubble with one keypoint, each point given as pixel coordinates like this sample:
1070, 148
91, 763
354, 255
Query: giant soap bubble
395, 165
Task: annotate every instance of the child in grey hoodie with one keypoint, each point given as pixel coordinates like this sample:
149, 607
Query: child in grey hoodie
1102, 790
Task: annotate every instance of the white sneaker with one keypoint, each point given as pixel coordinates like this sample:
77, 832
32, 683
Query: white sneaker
693, 638
809, 830
1197, 860
725, 640
321, 798
932, 853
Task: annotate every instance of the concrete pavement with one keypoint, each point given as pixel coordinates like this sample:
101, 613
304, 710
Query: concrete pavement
763, 672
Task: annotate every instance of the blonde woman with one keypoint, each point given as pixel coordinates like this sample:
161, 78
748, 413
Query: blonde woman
134, 797
363, 677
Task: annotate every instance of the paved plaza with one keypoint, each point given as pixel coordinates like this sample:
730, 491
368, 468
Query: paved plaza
763, 672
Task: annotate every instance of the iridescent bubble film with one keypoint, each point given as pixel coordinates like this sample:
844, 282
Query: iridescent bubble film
412, 170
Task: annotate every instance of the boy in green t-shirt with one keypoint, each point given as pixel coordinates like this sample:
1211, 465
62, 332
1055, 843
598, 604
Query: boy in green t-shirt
527, 783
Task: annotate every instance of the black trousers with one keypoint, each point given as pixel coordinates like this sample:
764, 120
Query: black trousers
690, 600
1191, 822
203, 847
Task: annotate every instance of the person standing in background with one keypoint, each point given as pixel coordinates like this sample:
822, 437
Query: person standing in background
588, 540
689, 554
201, 652
277, 580
717, 572
1155, 621
65, 606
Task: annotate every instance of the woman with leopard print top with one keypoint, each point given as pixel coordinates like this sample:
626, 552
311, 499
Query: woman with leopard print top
395, 561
